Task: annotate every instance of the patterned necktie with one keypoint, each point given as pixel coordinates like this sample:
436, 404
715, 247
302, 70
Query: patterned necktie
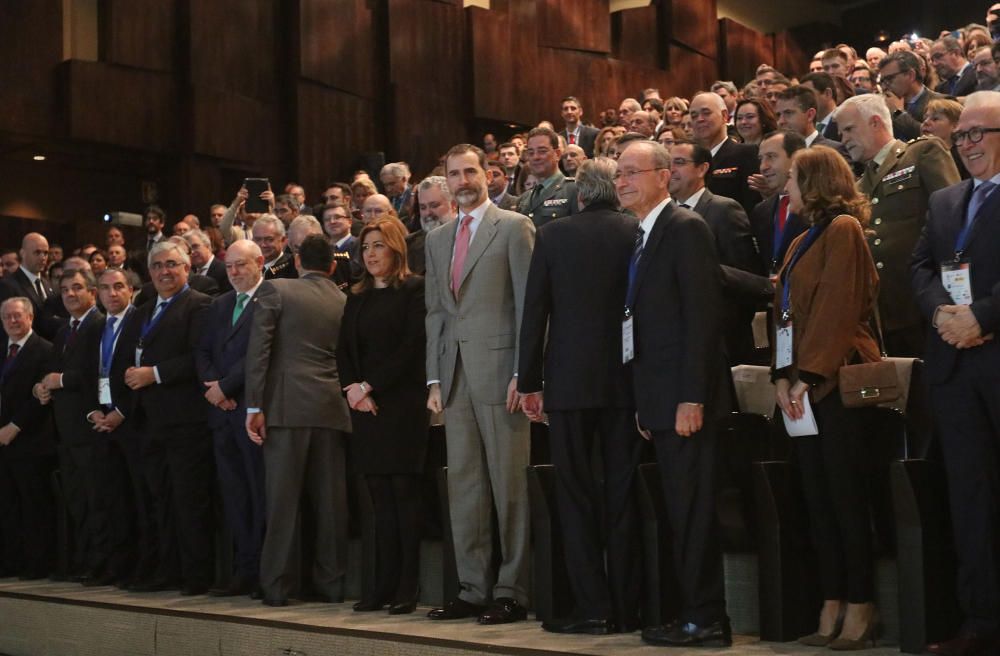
74, 325
782, 213
12, 352
461, 251
572, 138
633, 263
241, 301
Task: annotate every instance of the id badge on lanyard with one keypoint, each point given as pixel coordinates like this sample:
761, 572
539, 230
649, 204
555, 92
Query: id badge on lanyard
628, 339
783, 346
957, 280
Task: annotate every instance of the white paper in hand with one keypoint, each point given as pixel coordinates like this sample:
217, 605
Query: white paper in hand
806, 425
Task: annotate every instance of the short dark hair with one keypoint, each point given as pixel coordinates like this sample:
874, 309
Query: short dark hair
629, 137
834, 52
461, 149
315, 254
343, 186
154, 210
803, 96
544, 132
506, 144
907, 61
822, 82
699, 154
656, 103
88, 277
791, 140
571, 99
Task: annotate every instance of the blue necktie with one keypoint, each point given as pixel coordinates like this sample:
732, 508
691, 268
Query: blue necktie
977, 200
633, 266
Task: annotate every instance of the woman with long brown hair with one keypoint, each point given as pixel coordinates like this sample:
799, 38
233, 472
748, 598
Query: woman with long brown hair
381, 359
824, 300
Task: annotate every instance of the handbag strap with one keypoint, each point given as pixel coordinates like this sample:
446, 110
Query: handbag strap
878, 330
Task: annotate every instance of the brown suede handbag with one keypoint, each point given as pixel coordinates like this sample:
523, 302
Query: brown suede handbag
871, 383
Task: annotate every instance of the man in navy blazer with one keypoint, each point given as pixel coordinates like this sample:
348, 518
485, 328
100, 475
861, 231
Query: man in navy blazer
673, 320
956, 278
221, 358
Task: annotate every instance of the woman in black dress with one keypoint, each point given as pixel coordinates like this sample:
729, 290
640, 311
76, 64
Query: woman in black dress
381, 359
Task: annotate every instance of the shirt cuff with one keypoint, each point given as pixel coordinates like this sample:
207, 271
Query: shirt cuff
61, 381
253, 411
156, 374
16, 427
433, 382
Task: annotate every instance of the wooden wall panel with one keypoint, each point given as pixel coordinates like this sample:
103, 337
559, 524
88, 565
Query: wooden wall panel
690, 72
120, 106
139, 33
337, 45
575, 24
233, 47
505, 77
694, 23
334, 129
789, 56
230, 126
30, 50
637, 35
743, 50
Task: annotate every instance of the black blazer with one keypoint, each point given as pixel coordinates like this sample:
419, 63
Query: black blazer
966, 83
945, 217
588, 136
196, 281
222, 350
820, 140
283, 267
737, 254
122, 358
170, 346
17, 284
763, 221
71, 404
729, 170
217, 272
678, 320
576, 294
415, 259
17, 404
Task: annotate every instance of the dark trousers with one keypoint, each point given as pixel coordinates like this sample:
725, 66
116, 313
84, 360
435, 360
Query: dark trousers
309, 460
906, 342
239, 464
689, 470
179, 469
598, 512
832, 465
131, 524
967, 416
397, 502
75, 463
27, 516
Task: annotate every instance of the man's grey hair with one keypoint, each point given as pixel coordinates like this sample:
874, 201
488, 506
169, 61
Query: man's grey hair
250, 246
165, 246
868, 105
88, 277
23, 300
713, 97
275, 222
724, 84
198, 236
979, 99
76, 263
659, 154
595, 181
438, 181
306, 224
396, 169
951, 44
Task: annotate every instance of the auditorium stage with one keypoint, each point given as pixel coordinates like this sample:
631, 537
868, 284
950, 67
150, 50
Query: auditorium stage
60, 619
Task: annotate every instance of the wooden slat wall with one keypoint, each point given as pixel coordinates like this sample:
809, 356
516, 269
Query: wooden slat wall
743, 50
139, 33
575, 25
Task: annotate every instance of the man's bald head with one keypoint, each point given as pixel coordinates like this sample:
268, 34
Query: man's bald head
244, 265
34, 252
377, 206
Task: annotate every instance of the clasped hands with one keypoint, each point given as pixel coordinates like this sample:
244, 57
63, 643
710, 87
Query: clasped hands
957, 325
43, 389
218, 398
361, 399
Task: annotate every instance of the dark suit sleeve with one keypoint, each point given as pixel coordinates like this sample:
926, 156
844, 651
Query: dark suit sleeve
28, 412
701, 308
925, 276
345, 342
905, 127
265, 323
537, 307
181, 367
203, 359
413, 340
748, 287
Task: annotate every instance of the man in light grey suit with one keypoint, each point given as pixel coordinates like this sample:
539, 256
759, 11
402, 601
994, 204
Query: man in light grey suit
477, 268
296, 410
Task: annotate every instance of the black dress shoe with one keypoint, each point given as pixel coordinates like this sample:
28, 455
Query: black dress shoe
236, 588
276, 602
503, 610
456, 609
591, 627
965, 646
717, 634
365, 606
403, 607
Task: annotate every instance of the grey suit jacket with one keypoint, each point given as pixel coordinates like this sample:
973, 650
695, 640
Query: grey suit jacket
291, 364
483, 323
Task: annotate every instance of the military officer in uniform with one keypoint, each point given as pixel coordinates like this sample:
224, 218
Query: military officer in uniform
555, 195
898, 178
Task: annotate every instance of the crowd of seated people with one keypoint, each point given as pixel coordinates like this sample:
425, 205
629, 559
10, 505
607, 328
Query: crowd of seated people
601, 278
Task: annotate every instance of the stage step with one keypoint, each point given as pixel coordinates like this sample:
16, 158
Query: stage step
60, 619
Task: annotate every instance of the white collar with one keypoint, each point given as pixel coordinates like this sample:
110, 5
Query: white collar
718, 146
812, 137
649, 220
20, 342
692, 200
32, 277
253, 290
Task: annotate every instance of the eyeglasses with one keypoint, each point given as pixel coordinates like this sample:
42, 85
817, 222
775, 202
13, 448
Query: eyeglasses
974, 135
374, 211
169, 264
680, 161
887, 79
629, 175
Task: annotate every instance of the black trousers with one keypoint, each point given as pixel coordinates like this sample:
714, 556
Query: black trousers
178, 465
599, 512
397, 503
27, 515
240, 467
832, 465
689, 470
967, 417
131, 524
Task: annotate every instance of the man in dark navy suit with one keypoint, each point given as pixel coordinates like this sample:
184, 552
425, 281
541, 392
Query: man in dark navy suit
29, 281
239, 462
956, 279
27, 513
673, 323
732, 163
204, 262
172, 412
571, 340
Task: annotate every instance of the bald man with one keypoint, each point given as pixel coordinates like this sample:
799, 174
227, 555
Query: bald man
30, 282
731, 163
239, 463
377, 206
